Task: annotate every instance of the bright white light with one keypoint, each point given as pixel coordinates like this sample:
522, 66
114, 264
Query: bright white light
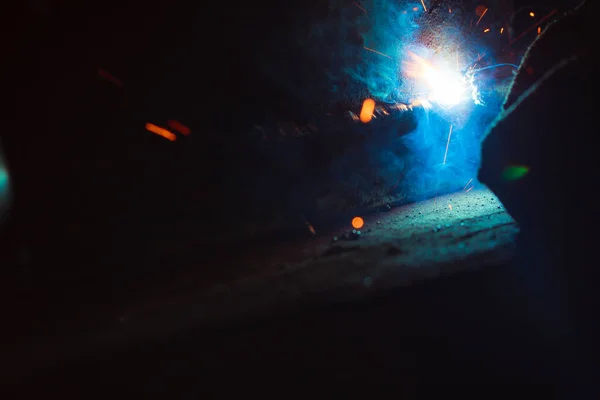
447, 88
438, 84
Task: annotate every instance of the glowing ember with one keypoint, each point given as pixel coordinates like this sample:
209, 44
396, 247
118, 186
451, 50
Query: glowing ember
481, 16
161, 132
357, 222
366, 113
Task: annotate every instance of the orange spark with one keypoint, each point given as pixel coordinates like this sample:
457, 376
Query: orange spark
178, 126
415, 8
161, 132
423, 4
486, 30
311, 228
376, 52
539, 30
550, 14
501, 30
381, 110
532, 14
358, 222
366, 113
482, 14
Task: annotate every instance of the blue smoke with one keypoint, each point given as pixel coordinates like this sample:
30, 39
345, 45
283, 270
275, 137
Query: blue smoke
374, 38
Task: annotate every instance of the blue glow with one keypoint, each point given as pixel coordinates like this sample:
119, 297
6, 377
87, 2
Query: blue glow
3, 181
408, 56
4, 191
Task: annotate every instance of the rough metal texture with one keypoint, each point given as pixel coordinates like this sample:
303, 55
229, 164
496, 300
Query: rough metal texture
428, 239
405, 245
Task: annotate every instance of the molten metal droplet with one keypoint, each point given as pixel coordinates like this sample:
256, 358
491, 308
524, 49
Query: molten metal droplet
161, 132
366, 113
358, 222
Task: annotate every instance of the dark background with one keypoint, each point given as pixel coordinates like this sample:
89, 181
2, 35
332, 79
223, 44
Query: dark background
93, 189
77, 141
